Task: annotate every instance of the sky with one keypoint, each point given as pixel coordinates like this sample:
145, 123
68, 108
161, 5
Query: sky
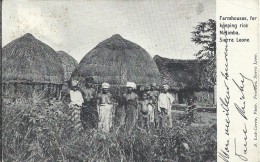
161, 27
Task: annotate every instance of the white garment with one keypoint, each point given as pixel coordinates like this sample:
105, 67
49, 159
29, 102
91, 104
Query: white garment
165, 101
74, 83
131, 84
151, 113
105, 117
105, 85
76, 98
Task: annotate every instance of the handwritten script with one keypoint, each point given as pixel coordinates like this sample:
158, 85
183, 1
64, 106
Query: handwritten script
225, 101
243, 89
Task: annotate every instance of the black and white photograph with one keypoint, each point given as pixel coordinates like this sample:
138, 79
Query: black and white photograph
109, 81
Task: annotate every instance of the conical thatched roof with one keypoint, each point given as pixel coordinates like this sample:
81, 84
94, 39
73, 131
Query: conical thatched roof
116, 61
27, 59
180, 74
68, 63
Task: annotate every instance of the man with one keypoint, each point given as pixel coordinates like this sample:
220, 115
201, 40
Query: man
165, 101
105, 108
89, 110
153, 96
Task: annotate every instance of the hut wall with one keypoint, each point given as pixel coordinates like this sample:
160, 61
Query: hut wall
9, 89
184, 95
205, 98
29, 90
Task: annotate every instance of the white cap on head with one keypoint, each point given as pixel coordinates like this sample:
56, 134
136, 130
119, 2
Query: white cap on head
74, 83
131, 84
166, 86
105, 85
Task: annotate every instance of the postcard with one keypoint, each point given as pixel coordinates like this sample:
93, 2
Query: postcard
130, 81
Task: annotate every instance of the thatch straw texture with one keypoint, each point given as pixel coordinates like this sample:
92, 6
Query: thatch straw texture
180, 74
68, 63
116, 61
27, 59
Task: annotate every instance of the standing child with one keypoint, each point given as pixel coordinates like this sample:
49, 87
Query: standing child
145, 111
191, 107
105, 108
153, 96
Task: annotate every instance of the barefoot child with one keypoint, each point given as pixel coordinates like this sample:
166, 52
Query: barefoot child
153, 96
145, 109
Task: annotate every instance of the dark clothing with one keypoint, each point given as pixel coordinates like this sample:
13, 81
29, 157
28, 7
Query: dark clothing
89, 114
131, 114
153, 95
190, 110
89, 111
65, 96
144, 117
144, 113
164, 122
119, 115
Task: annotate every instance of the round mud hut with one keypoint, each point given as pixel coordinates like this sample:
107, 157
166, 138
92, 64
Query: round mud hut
116, 61
31, 66
68, 63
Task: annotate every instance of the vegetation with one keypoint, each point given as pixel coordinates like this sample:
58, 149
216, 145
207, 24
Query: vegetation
205, 35
35, 130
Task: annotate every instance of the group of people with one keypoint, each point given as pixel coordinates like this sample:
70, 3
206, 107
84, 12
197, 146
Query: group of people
100, 110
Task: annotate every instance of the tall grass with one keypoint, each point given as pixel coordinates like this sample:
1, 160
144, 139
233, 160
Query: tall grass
37, 130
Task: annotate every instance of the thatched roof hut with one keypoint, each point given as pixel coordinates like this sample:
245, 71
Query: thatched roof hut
68, 63
116, 61
185, 78
180, 74
27, 59
31, 66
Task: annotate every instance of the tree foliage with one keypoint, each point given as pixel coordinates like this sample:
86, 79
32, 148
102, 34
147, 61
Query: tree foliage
205, 36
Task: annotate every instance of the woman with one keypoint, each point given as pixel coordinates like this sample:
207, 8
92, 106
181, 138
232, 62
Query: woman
165, 101
130, 101
76, 101
105, 108
89, 109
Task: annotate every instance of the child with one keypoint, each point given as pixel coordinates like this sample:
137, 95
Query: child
153, 96
145, 111
191, 107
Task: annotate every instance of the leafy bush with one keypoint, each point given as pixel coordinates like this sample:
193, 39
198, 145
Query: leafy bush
37, 130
